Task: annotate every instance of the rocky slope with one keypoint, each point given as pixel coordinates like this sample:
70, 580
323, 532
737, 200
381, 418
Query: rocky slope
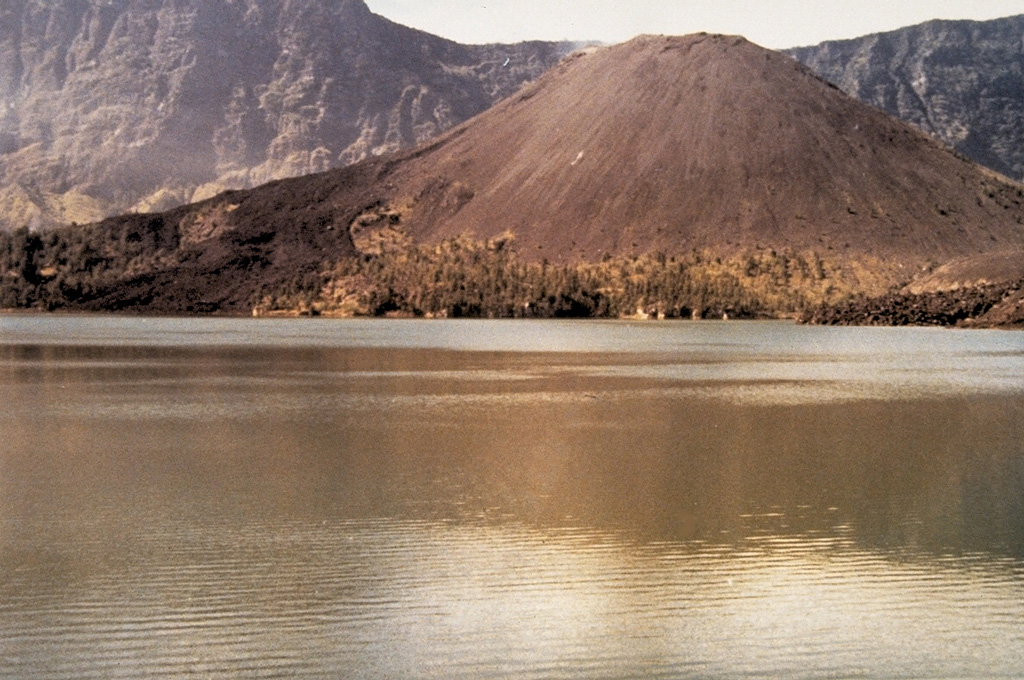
670, 144
108, 106
660, 145
962, 81
991, 305
984, 290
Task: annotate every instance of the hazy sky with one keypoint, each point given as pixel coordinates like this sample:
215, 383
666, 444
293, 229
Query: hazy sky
770, 23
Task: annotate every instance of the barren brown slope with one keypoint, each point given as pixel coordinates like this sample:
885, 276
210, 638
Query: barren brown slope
657, 145
995, 268
673, 143
115, 105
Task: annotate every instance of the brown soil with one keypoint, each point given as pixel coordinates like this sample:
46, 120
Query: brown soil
978, 291
979, 306
232, 248
994, 268
674, 143
663, 144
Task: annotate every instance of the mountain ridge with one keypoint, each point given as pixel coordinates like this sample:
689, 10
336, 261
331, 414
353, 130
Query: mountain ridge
639, 155
962, 81
100, 101
107, 107
668, 121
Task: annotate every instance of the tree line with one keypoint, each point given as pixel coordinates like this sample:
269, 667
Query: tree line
60, 268
461, 277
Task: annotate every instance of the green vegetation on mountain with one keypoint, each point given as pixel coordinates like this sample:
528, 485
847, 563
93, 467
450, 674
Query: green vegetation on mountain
462, 277
79, 268
655, 193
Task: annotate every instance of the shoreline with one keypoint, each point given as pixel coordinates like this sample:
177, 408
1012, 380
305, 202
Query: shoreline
279, 315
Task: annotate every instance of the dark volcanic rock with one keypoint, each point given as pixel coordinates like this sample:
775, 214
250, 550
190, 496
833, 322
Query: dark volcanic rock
962, 81
963, 306
221, 254
670, 145
111, 105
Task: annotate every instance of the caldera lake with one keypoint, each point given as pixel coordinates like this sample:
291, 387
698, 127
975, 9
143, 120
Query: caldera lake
239, 498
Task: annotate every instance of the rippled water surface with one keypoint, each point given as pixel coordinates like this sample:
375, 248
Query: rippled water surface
393, 499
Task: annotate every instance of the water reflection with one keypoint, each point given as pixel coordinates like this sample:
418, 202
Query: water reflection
294, 509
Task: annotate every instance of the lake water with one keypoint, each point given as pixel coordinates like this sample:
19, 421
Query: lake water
409, 499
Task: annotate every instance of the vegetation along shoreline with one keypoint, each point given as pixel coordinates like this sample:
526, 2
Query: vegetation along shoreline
465, 278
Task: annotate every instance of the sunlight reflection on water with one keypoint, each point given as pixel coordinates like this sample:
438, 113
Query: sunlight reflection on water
317, 499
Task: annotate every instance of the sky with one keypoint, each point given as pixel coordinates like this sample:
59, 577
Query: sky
775, 24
